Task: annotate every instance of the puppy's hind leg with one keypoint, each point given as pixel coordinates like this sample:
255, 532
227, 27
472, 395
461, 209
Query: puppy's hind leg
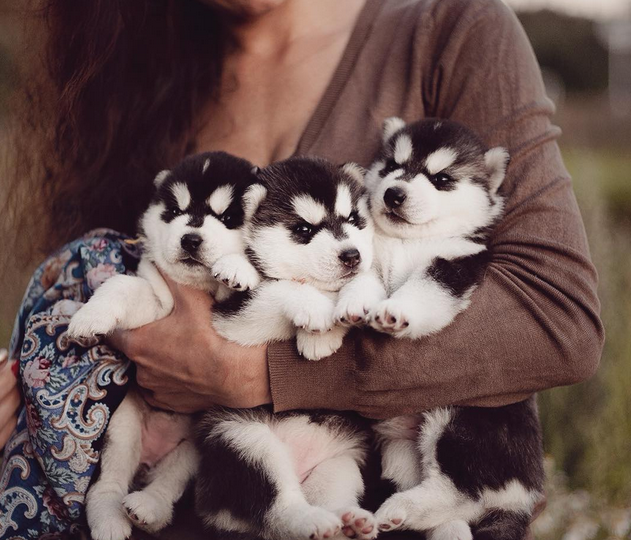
430, 505
151, 508
119, 461
336, 484
251, 471
452, 530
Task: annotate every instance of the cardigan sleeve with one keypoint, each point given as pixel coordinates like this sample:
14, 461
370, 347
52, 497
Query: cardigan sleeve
534, 322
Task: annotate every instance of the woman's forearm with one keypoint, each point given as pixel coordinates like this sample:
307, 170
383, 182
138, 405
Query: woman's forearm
532, 325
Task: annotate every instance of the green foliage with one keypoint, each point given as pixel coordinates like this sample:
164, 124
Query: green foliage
588, 426
570, 47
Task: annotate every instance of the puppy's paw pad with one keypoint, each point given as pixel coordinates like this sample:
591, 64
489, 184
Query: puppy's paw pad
390, 317
352, 312
392, 514
359, 524
148, 511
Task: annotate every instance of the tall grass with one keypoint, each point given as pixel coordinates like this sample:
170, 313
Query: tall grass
587, 428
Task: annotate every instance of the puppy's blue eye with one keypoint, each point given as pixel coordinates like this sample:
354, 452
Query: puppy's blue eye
353, 218
226, 218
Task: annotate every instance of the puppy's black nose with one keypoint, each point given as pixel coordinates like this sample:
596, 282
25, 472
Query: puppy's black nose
350, 258
191, 242
394, 197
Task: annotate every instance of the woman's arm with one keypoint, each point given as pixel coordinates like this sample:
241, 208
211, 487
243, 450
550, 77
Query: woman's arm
533, 323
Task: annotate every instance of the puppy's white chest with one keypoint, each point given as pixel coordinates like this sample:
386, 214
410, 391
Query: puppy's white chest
396, 259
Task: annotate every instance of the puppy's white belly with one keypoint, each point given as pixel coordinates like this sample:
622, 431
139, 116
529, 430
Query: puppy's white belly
162, 431
310, 444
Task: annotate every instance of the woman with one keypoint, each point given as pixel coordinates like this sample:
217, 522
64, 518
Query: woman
134, 88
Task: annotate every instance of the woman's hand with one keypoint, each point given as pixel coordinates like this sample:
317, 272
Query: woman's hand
9, 399
185, 366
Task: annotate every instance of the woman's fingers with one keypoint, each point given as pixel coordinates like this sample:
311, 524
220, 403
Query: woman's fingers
184, 403
151, 398
8, 406
7, 429
9, 399
7, 380
147, 379
129, 342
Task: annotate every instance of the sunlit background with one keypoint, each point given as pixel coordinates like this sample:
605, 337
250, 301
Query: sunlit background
584, 48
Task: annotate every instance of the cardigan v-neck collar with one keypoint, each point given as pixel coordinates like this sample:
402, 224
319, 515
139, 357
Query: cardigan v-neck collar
340, 76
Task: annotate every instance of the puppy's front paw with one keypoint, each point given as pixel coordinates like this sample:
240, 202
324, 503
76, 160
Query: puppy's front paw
148, 511
236, 273
317, 346
393, 513
390, 317
106, 517
311, 523
359, 523
90, 321
315, 317
352, 311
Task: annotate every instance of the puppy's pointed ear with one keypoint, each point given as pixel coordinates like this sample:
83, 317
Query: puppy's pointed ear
356, 172
160, 178
391, 126
496, 160
252, 198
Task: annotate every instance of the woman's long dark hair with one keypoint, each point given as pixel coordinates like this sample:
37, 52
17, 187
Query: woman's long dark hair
115, 98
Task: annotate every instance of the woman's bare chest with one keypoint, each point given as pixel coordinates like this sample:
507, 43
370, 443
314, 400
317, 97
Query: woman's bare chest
264, 108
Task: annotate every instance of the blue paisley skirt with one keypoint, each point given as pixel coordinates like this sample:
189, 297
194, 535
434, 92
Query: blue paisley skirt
69, 392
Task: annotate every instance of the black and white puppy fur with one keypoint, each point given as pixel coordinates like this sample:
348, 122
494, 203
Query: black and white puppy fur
310, 234
291, 475
434, 200
191, 232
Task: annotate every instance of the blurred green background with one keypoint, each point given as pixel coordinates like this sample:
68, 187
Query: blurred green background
587, 67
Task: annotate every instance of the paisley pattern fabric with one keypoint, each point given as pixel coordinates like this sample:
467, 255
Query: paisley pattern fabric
69, 390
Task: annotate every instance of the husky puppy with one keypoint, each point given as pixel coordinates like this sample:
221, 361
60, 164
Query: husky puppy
191, 232
291, 475
310, 234
434, 200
